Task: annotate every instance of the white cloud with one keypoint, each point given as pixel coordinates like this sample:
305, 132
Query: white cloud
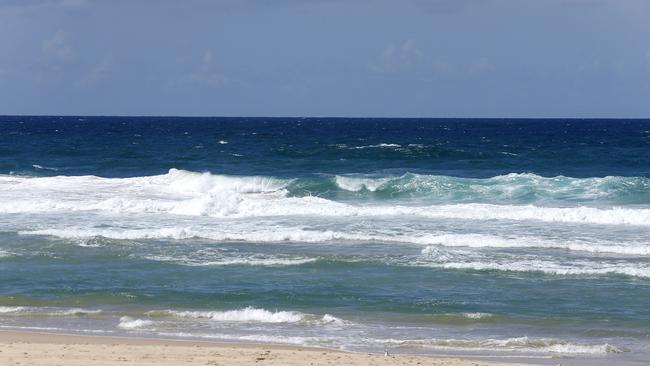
398, 57
207, 73
448, 6
480, 66
100, 71
57, 47
26, 6
72, 3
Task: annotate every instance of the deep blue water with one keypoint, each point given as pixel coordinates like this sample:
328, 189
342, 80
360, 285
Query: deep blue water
514, 238
128, 146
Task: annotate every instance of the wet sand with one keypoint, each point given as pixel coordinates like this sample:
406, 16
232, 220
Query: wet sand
45, 349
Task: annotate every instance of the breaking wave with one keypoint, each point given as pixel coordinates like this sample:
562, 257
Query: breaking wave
187, 193
127, 322
252, 315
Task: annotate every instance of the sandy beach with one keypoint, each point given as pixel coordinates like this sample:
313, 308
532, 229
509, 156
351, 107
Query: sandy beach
27, 348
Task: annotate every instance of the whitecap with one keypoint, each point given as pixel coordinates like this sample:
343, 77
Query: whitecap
127, 322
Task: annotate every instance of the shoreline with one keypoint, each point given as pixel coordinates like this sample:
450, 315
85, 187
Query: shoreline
52, 349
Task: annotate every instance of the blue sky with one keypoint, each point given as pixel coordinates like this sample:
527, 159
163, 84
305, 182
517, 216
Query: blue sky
383, 58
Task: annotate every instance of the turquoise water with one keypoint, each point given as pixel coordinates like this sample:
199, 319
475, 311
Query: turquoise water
515, 239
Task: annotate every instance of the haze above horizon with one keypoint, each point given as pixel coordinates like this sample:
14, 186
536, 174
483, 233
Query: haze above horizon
413, 58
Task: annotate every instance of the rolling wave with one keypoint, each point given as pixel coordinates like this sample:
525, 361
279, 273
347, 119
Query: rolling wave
511, 188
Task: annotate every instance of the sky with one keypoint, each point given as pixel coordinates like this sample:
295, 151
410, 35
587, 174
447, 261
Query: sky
344, 58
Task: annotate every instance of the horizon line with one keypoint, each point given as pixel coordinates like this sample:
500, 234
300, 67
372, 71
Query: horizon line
315, 117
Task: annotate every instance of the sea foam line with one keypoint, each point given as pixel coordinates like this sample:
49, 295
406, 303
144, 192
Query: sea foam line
301, 234
438, 258
46, 311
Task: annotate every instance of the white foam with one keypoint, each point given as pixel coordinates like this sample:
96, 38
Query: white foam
127, 322
492, 241
250, 234
236, 261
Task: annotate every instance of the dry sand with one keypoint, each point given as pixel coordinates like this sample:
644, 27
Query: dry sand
27, 349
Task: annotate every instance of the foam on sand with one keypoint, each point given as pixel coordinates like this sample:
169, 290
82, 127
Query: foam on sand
519, 344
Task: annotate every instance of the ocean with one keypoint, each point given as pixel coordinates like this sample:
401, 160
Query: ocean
524, 240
